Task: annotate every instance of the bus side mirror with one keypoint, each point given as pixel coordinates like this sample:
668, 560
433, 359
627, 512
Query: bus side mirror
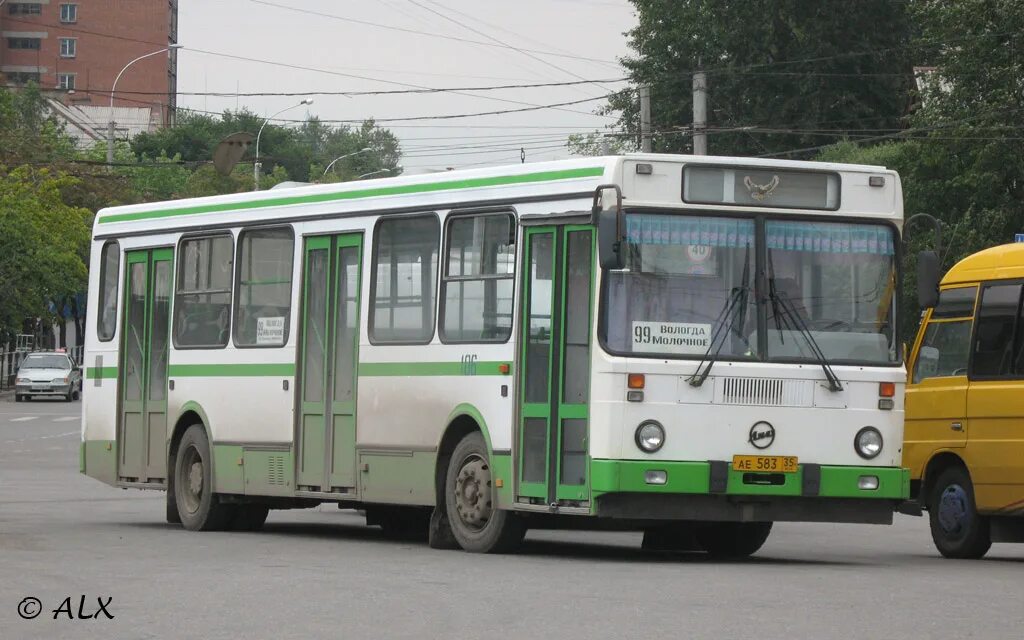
927, 279
608, 218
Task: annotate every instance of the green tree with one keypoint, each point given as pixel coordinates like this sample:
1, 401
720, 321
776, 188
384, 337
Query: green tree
28, 131
963, 158
303, 151
596, 144
43, 242
795, 69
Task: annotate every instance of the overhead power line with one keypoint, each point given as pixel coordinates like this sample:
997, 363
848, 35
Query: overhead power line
424, 90
426, 33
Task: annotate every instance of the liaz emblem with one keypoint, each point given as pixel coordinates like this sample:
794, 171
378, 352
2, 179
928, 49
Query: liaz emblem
762, 435
761, 192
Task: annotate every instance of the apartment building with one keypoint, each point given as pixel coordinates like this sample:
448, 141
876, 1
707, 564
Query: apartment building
74, 50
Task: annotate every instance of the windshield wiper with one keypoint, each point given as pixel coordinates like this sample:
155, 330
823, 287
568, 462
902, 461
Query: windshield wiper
724, 325
779, 301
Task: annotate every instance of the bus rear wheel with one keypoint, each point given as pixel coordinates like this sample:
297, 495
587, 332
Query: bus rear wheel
477, 525
198, 506
958, 531
733, 539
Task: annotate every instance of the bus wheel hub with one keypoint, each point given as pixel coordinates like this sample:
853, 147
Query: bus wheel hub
953, 509
472, 493
195, 478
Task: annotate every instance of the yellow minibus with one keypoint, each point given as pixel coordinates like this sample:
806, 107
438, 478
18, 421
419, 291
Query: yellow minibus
964, 433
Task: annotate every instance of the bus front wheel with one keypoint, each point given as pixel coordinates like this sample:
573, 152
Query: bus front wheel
733, 539
477, 525
958, 530
198, 506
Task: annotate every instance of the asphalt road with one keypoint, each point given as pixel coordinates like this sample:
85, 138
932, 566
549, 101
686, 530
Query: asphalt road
323, 573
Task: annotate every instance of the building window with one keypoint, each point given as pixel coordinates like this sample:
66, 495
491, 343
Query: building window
202, 306
24, 43
25, 9
477, 283
404, 283
264, 287
22, 77
68, 47
66, 81
69, 13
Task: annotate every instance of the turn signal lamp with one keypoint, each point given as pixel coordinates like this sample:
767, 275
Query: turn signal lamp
886, 389
635, 381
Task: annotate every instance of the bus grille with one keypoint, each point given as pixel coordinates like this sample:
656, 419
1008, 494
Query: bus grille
770, 392
275, 471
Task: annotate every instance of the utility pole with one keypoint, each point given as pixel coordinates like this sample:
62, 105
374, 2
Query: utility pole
700, 113
645, 119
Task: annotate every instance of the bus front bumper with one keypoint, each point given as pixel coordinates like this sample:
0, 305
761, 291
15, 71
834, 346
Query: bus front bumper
714, 491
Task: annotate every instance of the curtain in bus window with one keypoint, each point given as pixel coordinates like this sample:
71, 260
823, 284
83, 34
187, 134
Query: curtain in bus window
838, 281
682, 274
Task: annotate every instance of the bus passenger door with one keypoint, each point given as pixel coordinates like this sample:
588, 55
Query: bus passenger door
552, 443
325, 438
142, 376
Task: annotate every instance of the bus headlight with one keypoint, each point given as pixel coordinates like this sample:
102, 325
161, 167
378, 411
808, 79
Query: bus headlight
868, 443
650, 436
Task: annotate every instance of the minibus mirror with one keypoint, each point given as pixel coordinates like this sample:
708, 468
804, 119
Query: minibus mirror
607, 217
927, 279
927, 365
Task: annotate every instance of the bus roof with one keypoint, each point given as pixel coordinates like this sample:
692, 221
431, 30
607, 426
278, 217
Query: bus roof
996, 263
574, 178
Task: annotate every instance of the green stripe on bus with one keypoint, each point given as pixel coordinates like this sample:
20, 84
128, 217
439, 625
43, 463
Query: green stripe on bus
470, 183
225, 370
384, 369
92, 373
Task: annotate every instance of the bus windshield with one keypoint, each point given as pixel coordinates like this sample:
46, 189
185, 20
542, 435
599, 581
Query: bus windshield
684, 274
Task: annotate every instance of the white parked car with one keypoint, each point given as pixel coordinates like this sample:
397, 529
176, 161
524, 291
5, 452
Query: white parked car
48, 373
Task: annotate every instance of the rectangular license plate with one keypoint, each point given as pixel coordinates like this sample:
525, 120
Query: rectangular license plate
765, 464
40, 388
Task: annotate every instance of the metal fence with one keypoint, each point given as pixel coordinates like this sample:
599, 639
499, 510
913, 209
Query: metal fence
11, 360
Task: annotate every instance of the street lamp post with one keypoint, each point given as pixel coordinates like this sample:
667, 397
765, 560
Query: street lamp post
256, 158
347, 155
378, 171
110, 124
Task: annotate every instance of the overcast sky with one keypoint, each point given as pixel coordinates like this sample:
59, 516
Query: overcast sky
587, 35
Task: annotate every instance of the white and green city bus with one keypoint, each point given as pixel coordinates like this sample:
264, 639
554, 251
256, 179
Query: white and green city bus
695, 347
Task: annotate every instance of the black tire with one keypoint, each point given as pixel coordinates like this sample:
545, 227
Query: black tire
69, 396
677, 536
476, 524
733, 539
171, 508
199, 507
400, 523
18, 398
249, 517
958, 530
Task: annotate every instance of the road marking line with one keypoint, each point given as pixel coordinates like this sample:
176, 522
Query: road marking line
67, 418
23, 419
59, 435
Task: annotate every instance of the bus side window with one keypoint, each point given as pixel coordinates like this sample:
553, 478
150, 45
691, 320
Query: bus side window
203, 293
994, 337
106, 323
947, 339
476, 286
